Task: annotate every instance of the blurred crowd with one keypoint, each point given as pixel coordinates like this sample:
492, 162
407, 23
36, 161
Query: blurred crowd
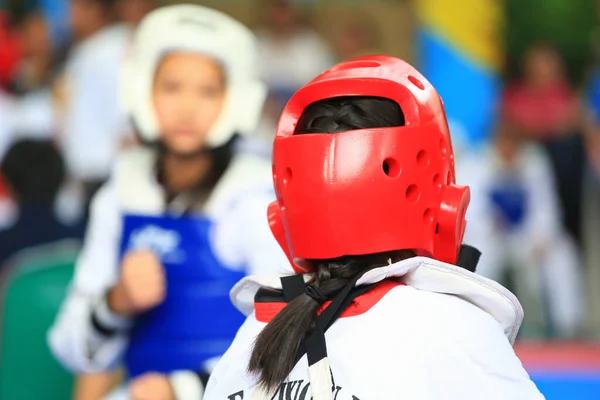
535, 185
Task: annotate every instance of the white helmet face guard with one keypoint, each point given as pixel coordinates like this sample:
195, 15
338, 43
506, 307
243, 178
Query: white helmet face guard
200, 30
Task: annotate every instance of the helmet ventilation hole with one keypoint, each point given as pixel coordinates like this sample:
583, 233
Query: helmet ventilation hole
416, 82
428, 215
437, 182
423, 159
412, 193
443, 148
391, 167
287, 176
356, 65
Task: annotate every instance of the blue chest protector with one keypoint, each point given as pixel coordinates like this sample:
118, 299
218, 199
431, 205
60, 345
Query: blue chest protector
509, 196
197, 321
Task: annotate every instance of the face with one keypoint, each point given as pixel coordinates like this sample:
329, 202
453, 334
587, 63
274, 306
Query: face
188, 95
508, 144
35, 38
543, 66
133, 11
280, 15
351, 39
86, 16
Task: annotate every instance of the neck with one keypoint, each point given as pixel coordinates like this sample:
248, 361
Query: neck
182, 173
283, 32
37, 69
92, 29
542, 86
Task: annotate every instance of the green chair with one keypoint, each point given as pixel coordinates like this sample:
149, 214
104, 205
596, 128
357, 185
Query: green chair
35, 289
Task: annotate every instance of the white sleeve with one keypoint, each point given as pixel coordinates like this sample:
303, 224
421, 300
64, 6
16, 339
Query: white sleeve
244, 236
469, 358
544, 221
474, 173
74, 339
93, 121
186, 385
481, 232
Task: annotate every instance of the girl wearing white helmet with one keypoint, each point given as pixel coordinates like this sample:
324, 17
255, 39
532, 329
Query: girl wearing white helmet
385, 304
183, 217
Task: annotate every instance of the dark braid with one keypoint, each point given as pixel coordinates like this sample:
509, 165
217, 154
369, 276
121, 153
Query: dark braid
275, 349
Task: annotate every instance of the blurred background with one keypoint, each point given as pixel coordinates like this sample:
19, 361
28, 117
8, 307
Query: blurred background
520, 81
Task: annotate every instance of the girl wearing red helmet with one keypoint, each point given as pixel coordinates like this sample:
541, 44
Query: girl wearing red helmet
385, 304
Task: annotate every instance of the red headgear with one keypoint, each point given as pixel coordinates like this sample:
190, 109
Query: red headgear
334, 196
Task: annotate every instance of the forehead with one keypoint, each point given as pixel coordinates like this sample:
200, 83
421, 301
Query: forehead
194, 64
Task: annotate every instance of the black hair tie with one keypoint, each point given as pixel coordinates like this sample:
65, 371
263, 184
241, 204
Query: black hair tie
316, 294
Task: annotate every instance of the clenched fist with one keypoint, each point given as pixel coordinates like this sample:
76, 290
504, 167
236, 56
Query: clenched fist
151, 386
141, 284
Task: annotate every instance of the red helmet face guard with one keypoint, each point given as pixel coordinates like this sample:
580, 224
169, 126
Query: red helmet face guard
371, 190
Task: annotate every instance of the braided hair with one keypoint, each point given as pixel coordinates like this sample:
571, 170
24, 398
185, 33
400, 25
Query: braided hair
274, 352
341, 114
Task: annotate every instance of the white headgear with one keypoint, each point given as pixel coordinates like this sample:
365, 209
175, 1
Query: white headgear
199, 30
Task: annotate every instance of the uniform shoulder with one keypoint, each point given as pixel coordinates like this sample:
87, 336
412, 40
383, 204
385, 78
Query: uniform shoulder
106, 196
252, 164
437, 312
248, 177
135, 182
138, 159
446, 339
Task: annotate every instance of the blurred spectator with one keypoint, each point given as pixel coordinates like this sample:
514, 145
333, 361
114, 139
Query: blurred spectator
39, 59
7, 207
292, 54
543, 106
33, 172
591, 204
514, 219
132, 11
355, 36
542, 103
10, 53
33, 113
7, 106
93, 124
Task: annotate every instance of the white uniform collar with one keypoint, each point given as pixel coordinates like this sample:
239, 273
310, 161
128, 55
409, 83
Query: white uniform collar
139, 190
421, 273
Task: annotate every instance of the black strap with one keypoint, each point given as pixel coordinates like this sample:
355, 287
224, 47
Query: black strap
293, 286
203, 377
314, 345
100, 327
315, 293
468, 257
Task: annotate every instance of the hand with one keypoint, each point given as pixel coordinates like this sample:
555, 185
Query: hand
151, 386
141, 285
